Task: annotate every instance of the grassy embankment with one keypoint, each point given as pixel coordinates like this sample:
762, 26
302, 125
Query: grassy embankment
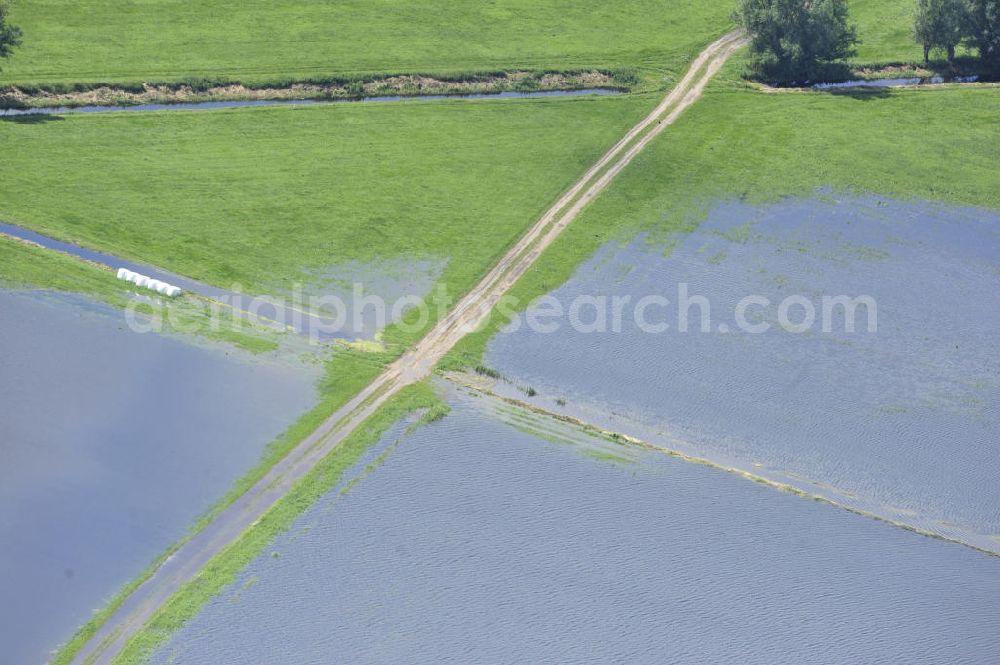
938, 144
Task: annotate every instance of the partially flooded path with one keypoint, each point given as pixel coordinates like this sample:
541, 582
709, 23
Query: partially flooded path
417, 364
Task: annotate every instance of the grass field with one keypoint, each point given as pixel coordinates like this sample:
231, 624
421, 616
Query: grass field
885, 28
269, 197
283, 40
265, 196
166, 40
937, 144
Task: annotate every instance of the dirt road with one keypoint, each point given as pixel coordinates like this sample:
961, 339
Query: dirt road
413, 366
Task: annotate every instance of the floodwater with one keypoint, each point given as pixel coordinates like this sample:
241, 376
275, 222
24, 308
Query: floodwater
111, 445
114, 262
903, 422
372, 294
894, 83
209, 106
493, 536
333, 305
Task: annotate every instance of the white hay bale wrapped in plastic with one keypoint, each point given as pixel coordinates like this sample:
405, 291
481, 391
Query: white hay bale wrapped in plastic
145, 282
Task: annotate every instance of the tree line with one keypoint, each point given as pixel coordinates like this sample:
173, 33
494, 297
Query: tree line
799, 40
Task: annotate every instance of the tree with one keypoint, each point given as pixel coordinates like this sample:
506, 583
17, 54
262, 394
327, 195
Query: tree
940, 24
10, 35
984, 31
792, 39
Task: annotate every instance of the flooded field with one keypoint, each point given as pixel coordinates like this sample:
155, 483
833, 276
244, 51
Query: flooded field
111, 445
349, 301
901, 422
496, 536
370, 296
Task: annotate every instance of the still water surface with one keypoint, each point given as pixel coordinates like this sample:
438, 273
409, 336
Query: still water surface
904, 422
495, 537
111, 444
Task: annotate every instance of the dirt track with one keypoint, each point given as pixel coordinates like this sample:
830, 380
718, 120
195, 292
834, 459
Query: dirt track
415, 365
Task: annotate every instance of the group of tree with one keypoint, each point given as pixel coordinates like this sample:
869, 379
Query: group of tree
10, 35
799, 40
794, 40
944, 24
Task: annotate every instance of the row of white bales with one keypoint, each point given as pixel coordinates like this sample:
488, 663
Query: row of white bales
145, 282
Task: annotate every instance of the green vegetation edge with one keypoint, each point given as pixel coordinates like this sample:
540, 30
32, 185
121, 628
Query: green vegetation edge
224, 569
740, 143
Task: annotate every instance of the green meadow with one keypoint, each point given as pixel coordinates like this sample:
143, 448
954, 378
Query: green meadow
167, 40
285, 40
267, 197
886, 31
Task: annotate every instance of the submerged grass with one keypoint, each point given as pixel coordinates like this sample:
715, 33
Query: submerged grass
522, 411
757, 147
26, 266
345, 374
223, 570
